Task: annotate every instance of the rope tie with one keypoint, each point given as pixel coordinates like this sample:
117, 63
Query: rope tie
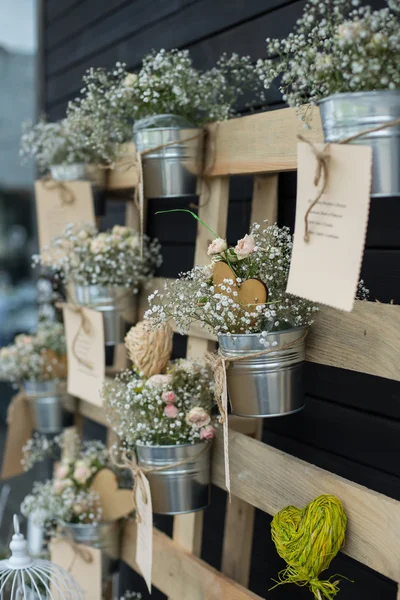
322, 169
66, 194
139, 473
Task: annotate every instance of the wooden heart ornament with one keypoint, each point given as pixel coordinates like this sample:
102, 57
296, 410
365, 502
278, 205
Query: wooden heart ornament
308, 539
115, 503
249, 293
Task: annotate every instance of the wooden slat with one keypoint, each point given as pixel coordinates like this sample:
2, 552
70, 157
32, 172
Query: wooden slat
262, 143
264, 205
180, 574
213, 210
270, 479
365, 340
125, 174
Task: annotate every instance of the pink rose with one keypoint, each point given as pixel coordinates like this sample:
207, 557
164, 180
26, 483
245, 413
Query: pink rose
60, 485
171, 411
207, 433
168, 397
82, 472
61, 471
197, 417
217, 246
245, 246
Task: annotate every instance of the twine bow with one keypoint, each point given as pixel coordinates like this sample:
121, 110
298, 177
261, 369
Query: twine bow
66, 194
322, 169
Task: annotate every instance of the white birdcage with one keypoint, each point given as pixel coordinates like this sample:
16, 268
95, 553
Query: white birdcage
26, 578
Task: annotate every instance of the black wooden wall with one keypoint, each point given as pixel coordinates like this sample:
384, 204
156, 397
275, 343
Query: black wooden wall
351, 423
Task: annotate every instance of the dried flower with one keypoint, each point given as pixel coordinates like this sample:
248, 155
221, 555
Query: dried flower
197, 417
245, 247
217, 246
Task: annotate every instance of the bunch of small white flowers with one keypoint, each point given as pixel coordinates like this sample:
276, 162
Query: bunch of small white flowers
337, 46
170, 408
103, 111
44, 506
265, 255
129, 595
168, 83
36, 357
113, 258
61, 142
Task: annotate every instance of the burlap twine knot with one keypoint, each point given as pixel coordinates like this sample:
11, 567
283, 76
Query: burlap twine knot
66, 194
322, 169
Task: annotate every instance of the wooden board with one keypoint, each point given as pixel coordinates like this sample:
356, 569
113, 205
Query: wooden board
179, 574
270, 479
270, 140
125, 173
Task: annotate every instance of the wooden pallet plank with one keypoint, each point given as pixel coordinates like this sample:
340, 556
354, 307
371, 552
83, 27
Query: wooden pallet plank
264, 204
179, 574
270, 140
125, 174
270, 479
365, 340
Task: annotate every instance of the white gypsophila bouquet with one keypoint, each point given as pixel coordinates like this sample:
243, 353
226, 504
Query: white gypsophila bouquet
337, 46
50, 506
37, 357
168, 83
164, 409
262, 257
62, 142
113, 258
103, 111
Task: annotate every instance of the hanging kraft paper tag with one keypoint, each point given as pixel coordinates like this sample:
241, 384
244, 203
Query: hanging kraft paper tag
19, 431
58, 206
84, 332
88, 574
326, 268
144, 537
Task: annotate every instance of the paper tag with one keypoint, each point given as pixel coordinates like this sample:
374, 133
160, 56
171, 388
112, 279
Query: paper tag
54, 213
144, 540
84, 332
19, 431
326, 269
115, 503
88, 575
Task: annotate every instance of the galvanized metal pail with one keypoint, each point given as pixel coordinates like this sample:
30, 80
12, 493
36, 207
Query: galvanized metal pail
84, 172
346, 114
105, 535
270, 385
45, 398
181, 489
171, 171
117, 304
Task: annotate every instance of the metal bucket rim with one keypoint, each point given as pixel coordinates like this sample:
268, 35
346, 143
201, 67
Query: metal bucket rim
242, 335
359, 94
103, 287
169, 129
86, 525
142, 445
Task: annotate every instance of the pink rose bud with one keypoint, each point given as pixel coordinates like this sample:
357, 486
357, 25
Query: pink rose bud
171, 411
168, 397
245, 246
207, 433
217, 246
197, 417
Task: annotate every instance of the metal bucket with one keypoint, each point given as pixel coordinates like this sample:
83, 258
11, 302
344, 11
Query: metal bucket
172, 171
269, 385
344, 115
117, 304
105, 536
35, 537
45, 398
181, 489
84, 172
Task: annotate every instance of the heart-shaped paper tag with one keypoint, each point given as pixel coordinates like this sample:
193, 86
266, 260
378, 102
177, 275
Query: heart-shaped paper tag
115, 503
250, 293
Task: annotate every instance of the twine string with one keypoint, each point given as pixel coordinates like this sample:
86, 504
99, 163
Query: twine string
130, 461
322, 169
79, 551
66, 194
84, 326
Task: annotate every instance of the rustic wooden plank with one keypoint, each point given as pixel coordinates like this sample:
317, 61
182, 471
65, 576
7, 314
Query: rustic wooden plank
264, 205
213, 210
269, 480
364, 340
270, 139
95, 413
180, 574
125, 174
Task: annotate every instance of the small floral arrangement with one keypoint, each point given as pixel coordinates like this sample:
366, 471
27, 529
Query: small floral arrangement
112, 258
263, 257
38, 357
68, 497
164, 409
337, 46
103, 110
61, 142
